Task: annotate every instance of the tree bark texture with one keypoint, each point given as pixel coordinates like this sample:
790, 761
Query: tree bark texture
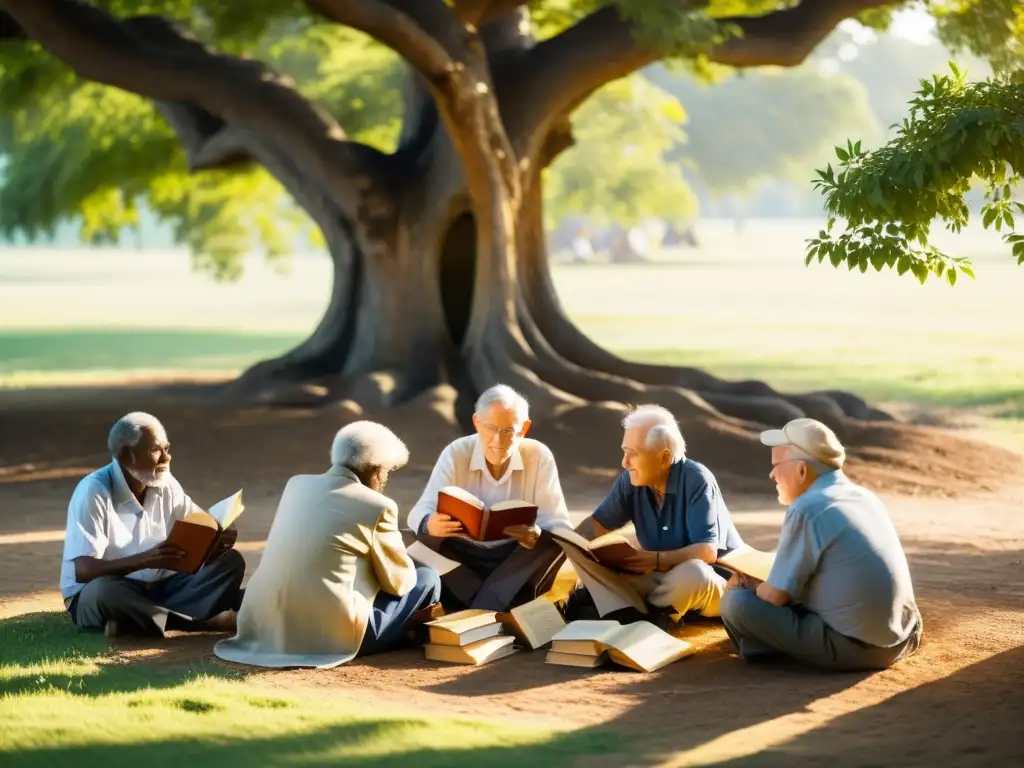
440, 266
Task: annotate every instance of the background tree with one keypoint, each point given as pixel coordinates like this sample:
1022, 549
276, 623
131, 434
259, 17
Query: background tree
753, 126
882, 203
617, 172
438, 245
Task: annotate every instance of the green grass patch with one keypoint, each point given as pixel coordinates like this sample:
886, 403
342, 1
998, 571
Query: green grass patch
34, 357
65, 699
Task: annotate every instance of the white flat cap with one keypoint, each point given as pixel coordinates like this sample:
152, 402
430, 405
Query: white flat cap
810, 436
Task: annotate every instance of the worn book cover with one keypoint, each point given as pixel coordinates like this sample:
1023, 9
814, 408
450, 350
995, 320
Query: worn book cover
198, 533
480, 522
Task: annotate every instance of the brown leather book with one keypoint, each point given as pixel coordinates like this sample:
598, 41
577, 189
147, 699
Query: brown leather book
199, 533
197, 539
480, 522
610, 550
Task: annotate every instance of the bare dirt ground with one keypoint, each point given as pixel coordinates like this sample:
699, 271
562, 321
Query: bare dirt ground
959, 701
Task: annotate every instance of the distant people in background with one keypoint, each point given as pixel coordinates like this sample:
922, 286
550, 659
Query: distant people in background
676, 507
114, 574
498, 463
335, 580
839, 595
582, 249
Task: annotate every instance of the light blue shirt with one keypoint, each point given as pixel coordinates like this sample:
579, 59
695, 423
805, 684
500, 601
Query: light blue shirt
840, 557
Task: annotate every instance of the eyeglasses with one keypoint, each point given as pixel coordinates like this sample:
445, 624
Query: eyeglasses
504, 434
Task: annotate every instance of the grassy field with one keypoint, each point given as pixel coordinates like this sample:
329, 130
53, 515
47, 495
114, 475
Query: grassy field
65, 700
741, 307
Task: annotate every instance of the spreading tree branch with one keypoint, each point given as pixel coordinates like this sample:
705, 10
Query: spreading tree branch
602, 47
154, 58
208, 141
397, 27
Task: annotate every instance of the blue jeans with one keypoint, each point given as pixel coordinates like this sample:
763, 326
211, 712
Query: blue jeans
386, 628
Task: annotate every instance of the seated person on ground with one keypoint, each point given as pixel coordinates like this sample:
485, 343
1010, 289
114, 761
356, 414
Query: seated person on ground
839, 594
113, 575
498, 463
335, 580
681, 521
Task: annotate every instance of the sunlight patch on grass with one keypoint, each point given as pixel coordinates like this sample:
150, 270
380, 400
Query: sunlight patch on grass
68, 700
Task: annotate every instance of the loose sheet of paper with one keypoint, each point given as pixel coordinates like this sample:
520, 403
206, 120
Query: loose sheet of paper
424, 555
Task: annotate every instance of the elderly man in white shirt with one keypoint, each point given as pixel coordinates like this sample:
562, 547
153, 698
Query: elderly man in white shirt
498, 463
114, 574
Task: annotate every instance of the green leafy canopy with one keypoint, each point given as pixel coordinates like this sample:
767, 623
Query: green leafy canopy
958, 134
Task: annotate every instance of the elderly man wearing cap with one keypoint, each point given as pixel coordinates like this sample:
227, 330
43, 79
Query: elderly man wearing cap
839, 594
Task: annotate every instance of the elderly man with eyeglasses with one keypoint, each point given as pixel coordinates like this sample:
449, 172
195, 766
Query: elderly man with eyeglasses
498, 463
839, 595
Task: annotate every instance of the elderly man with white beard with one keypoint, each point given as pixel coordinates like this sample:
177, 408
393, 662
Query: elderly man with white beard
114, 574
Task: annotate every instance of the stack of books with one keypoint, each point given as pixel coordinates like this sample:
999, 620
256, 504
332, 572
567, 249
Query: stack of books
640, 646
468, 637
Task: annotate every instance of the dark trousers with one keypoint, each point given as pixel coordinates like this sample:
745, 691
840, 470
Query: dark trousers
759, 630
496, 578
182, 601
386, 628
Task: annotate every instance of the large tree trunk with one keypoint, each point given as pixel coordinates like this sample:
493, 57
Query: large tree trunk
444, 277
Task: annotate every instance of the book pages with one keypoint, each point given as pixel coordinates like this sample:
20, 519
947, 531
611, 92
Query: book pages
644, 647
462, 621
748, 561
609, 590
424, 555
226, 511
539, 621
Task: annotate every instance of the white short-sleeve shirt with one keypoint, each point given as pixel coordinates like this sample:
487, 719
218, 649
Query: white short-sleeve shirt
531, 476
106, 521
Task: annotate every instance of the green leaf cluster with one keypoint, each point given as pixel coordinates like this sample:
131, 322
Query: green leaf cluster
957, 131
80, 151
617, 172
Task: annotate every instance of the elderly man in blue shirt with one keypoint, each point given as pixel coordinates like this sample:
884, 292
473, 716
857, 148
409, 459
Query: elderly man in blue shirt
839, 594
676, 507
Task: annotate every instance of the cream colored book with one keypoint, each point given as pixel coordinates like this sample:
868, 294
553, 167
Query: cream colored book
748, 561
463, 621
536, 622
480, 652
640, 645
589, 637
575, 659
442, 636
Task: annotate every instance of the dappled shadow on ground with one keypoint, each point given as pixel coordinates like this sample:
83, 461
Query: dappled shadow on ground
972, 717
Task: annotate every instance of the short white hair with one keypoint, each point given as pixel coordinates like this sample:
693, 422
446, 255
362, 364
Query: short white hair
664, 431
365, 445
127, 431
506, 397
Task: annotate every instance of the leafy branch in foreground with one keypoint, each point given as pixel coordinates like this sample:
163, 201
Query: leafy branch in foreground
957, 132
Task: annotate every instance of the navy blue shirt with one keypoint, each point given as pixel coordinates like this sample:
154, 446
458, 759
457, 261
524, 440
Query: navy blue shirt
694, 511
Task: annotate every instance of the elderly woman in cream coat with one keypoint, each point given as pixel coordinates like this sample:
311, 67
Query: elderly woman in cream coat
335, 580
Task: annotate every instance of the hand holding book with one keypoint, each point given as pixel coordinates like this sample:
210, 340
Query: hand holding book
526, 535
442, 526
642, 562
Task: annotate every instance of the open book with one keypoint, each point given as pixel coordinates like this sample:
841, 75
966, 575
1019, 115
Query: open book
535, 622
748, 561
199, 533
610, 550
640, 645
480, 522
